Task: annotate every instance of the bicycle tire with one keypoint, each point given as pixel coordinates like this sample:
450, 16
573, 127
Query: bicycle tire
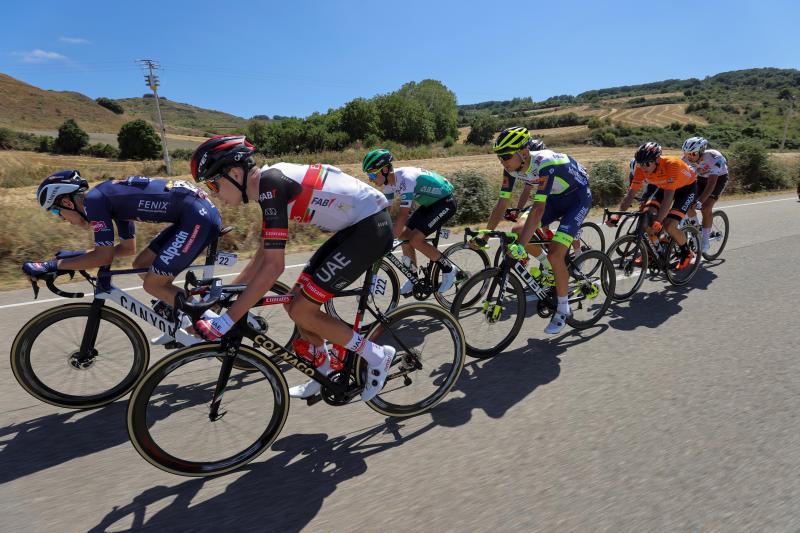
597, 231
723, 216
693, 238
628, 224
139, 431
622, 252
444, 299
605, 284
459, 311
384, 406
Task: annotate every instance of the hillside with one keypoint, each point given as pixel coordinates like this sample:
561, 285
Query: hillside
183, 118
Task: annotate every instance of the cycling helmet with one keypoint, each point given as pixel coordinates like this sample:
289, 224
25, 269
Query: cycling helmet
66, 182
695, 144
511, 140
221, 152
376, 159
534, 145
647, 153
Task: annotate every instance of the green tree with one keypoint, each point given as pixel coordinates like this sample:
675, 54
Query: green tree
71, 138
482, 129
439, 101
404, 120
359, 119
138, 140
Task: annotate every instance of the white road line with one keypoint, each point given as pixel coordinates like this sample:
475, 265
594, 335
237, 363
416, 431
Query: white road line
755, 203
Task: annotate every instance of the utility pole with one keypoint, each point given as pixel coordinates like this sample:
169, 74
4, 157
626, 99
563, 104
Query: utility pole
152, 81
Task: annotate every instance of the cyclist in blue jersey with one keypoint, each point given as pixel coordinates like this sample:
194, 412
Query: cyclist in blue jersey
437, 205
562, 194
194, 219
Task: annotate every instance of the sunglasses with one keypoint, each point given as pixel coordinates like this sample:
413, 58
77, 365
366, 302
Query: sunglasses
374, 175
506, 157
55, 211
212, 184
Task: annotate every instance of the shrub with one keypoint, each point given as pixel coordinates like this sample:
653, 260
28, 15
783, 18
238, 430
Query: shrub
46, 144
476, 196
752, 169
448, 141
181, 153
71, 138
5, 139
138, 140
482, 128
101, 150
607, 179
110, 104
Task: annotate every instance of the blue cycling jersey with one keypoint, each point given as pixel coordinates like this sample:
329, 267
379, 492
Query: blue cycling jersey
553, 172
136, 198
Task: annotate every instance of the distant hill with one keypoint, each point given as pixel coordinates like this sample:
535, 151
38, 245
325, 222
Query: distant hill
24, 107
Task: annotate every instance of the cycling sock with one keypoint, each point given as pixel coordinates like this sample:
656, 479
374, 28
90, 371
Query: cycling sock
356, 343
444, 265
371, 352
563, 305
706, 232
545, 262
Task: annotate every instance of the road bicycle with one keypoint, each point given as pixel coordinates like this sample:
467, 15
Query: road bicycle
492, 304
636, 253
191, 415
718, 236
385, 289
85, 355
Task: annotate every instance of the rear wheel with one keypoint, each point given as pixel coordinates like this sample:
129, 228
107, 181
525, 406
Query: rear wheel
684, 275
590, 290
467, 260
718, 238
384, 297
592, 237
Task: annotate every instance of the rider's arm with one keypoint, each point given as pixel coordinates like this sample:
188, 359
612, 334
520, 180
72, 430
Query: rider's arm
251, 268
711, 182
271, 267
626, 201
524, 197
666, 205
400, 221
100, 256
532, 222
499, 210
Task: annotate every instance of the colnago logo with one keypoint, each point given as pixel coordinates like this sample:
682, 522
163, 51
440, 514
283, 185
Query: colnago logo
334, 264
153, 205
145, 313
323, 202
174, 249
299, 364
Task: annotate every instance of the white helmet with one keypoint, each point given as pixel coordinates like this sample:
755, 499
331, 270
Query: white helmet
695, 144
60, 184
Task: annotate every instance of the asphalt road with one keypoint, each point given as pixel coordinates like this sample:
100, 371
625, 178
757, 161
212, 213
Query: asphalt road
680, 411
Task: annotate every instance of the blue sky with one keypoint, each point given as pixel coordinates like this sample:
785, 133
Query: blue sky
294, 58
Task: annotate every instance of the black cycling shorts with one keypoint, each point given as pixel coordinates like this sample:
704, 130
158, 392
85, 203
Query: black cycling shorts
719, 187
346, 256
684, 198
428, 219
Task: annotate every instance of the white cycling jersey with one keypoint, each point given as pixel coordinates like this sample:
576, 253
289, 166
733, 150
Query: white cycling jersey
711, 163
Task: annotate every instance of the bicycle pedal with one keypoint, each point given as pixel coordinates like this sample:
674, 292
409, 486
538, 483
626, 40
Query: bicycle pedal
311, 400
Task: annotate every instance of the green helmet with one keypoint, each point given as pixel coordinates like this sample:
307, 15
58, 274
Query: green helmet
376, 159
511, 140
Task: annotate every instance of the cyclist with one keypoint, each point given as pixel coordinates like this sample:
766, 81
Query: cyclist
677, 186
562, 194
712, 177
194, 219
437, 205
321, 195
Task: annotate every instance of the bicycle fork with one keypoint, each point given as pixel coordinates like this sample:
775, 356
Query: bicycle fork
222, 381
87, 352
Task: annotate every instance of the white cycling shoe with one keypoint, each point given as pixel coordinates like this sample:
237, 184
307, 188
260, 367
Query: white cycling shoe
376, 374
448, 278
706, 244
557, 323
311, 387
405, 289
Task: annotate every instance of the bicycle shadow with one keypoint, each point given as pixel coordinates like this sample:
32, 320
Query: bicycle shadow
50, 440
659, 306
283, 493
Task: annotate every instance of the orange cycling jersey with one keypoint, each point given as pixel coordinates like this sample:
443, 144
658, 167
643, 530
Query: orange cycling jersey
672, 173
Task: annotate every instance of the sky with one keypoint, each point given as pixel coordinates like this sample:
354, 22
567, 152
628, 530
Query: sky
295, 58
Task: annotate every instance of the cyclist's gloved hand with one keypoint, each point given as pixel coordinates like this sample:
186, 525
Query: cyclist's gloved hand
698, 205
34, 269
517, 251
66, 254
511, 215
657, 226
215, 328
612, 220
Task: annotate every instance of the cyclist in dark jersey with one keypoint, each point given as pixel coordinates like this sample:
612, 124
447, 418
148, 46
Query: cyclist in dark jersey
194, 220
321, 195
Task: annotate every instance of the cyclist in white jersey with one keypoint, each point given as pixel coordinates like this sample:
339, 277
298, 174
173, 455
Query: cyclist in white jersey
321, 195
437, 205
712, 177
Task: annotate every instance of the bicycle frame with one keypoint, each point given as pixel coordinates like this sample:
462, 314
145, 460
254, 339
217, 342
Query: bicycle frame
408, 272
661, 256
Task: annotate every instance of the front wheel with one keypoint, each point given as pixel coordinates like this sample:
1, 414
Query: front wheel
429, 356
591, 237
592, 282
629, 260
47, 361
682, 276
467, 260
718, 238
169, 417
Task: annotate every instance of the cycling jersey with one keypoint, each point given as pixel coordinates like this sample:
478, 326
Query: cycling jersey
711, 163
136, 198
553, 172
671, 173
682, 200
415, 184
320, 195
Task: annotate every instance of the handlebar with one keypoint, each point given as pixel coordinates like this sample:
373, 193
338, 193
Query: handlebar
607, 214
195, 310
507, 237
50, 282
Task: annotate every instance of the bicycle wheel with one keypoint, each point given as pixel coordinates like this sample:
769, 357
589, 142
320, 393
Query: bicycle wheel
682, 277
468, 261
629, 260
44, 357
385, 296
592, 237
626, 226
591, 286
493, 320
430, 355
720, 228
168, 414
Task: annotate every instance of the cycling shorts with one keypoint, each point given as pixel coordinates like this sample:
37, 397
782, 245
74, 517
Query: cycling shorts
180, 243
570, 209
346, 256
430, 218
719, 187
685, 198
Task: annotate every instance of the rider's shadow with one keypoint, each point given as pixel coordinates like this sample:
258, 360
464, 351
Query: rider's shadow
647, 309
50, 440
283, 493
